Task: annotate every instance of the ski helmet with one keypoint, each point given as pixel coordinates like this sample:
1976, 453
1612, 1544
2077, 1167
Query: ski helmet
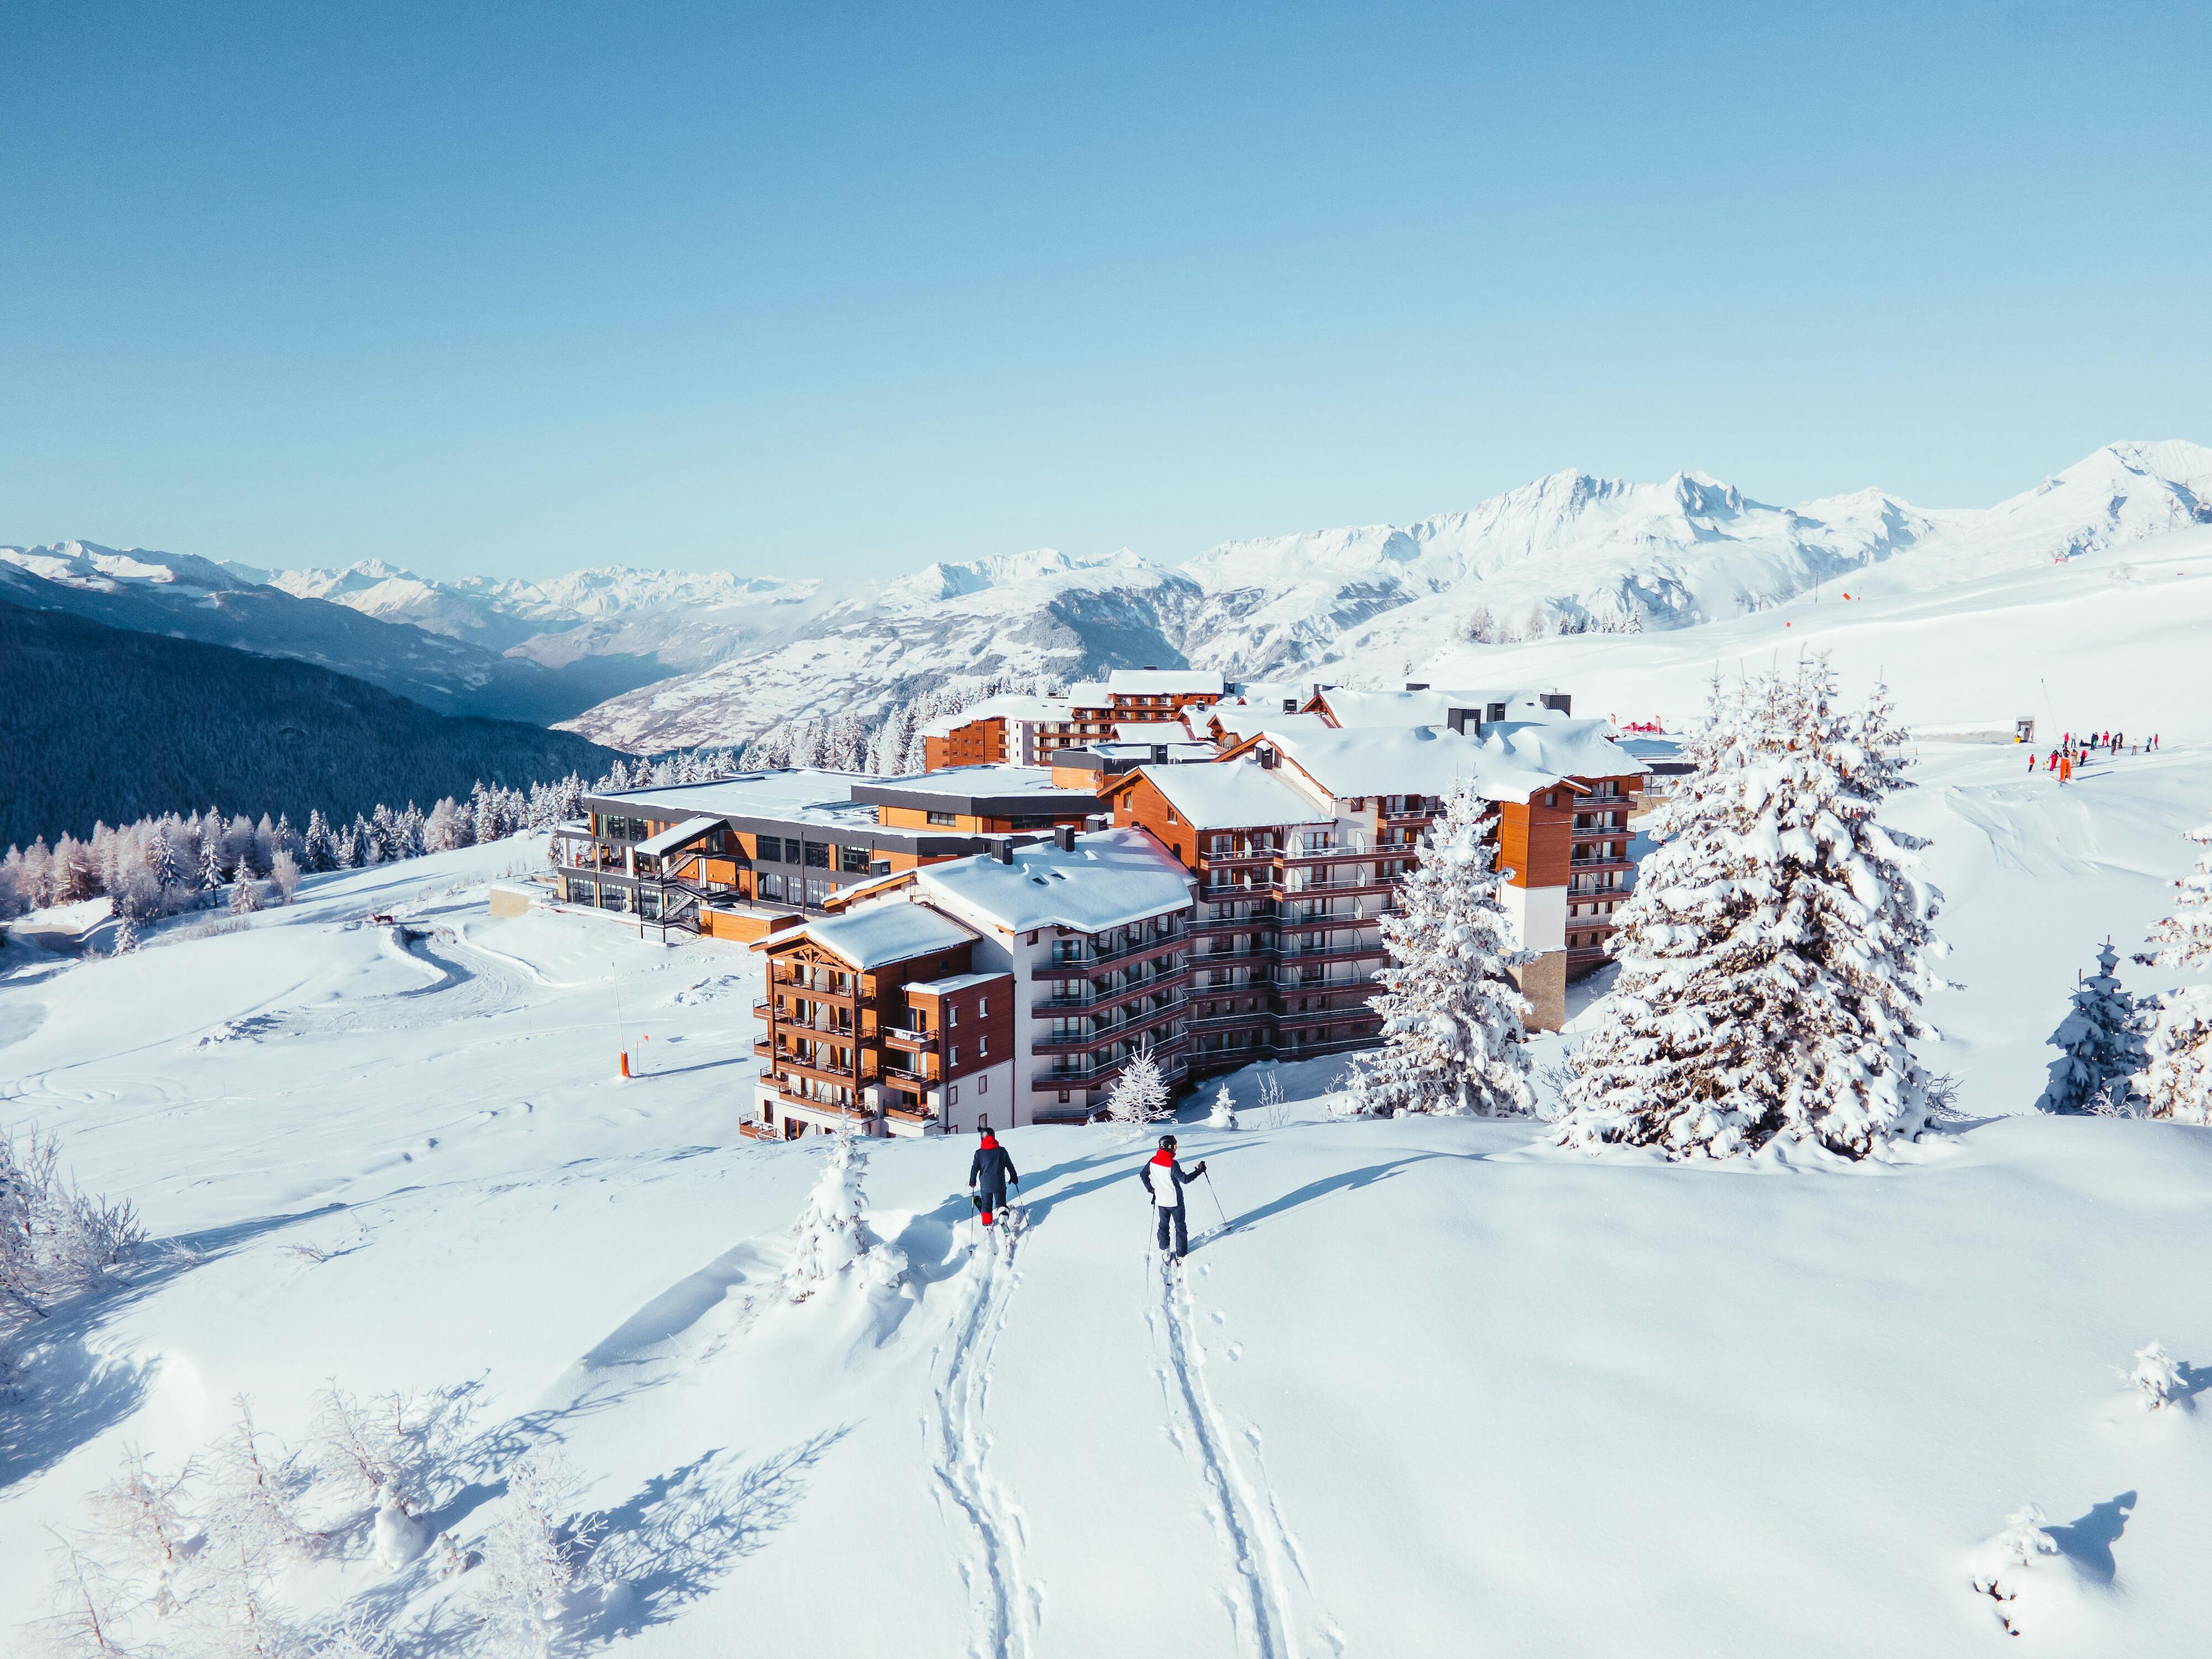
1166, 1142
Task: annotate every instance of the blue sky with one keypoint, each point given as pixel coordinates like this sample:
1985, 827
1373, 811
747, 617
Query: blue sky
515, 289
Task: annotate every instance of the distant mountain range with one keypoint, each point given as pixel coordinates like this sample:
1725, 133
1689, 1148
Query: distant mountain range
648, 661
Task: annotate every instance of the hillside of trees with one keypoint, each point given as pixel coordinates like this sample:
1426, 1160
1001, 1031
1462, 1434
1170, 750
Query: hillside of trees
100, 723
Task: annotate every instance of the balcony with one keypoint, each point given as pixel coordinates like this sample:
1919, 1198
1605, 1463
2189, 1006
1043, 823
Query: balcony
1149, 1020
1064, 1075
1057, 966
906, 1040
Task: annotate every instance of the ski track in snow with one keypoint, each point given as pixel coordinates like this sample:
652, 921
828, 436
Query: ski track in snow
1006, 1608
1265, 1558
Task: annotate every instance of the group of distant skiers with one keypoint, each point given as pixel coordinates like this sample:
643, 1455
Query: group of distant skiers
2073, 750
991, 1171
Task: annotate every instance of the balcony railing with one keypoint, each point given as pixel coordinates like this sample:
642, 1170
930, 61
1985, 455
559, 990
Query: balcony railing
1058, 965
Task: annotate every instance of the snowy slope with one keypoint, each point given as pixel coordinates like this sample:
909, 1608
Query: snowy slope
1445, 1389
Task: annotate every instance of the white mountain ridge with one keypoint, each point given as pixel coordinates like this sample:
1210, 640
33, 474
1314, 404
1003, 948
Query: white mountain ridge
1358, 603
731, 656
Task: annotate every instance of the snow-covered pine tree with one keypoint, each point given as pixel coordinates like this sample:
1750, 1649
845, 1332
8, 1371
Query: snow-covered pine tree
319, 853
1777, 944
244, 895
2100, 1047
1139, 1094
161, 860
832, 1237
1453, 1036
212, 873
2178, 1084
1223, 1115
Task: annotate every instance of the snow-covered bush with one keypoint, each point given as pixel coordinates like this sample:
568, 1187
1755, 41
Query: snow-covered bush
2156, 1377
284, 874
146, 1532
1274, 1111
2005, 1564
1776, 946
1139, 1094
390, 1454
833, 1240
55, 1239
254, 1489
245, 896
532, 1562
2178, 1081
1223, 1115
1453, 1036
2100, 1047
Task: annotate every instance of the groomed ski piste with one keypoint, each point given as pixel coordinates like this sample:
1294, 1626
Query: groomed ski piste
1445, 1387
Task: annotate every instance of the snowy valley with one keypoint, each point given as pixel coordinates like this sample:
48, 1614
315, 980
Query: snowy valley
1444, 1383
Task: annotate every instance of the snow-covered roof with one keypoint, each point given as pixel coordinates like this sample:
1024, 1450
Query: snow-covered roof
1231, 794
937, 988
669, 840
1158, 682
989, 791
1151, 731
1141, 753
1091, 693
1112, 877
1010, 707
806, 794
1429, 706
1243, 722
1564, 748
1420, 760
875, 934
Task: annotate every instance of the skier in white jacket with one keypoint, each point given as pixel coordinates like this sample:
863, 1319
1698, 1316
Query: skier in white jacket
1164, 1179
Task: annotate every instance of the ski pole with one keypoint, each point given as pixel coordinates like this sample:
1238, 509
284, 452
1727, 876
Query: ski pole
1217, 1201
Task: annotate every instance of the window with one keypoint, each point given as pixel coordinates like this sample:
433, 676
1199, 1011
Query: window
983, 1007
983, 1046
817, 855
1552, 798
952, 1096
791, 853
853, 861
1063, 1096
941, 820
819, 889
955, 1060
768, 887
983, 1085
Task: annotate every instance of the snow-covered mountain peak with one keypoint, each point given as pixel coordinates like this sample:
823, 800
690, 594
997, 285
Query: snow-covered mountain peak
934, 583
108, 570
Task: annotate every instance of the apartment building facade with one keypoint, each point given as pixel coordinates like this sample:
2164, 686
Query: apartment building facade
1031, 731
732, 858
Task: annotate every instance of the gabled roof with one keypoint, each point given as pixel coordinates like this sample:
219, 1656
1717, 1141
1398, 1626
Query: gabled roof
876, 935
1112, 877
1230, 794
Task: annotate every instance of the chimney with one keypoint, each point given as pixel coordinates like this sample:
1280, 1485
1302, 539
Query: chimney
1561, 702
1097, 821
1460, 719
1002, 849
1063, 837
1267, 759
1159, 754
1417, 685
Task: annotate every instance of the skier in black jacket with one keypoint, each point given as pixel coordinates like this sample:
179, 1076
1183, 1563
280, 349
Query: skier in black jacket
1164, 1179
988, 1172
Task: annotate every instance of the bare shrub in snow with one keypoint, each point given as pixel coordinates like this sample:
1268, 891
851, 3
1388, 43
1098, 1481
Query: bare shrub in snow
142, 1525
254, 1489
1454, 1040
1274, 1110
2178, 1084
832, 1238
56, 1239
2003, 1563
1139, 1094
532, 1562
389, 1454
88, 1609
2156, 1377
237, 1615
1776, 946
2100, 1047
